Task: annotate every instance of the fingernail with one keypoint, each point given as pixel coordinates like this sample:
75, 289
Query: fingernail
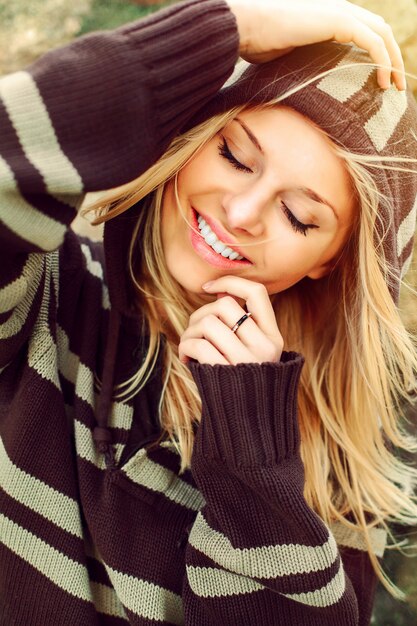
208, 285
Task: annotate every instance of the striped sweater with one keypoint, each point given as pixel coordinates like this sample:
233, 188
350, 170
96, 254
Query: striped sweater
229, 542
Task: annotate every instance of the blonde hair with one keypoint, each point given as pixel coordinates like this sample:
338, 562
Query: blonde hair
360, 361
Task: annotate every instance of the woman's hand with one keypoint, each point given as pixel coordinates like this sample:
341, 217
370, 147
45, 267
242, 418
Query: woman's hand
270, 28
209, 339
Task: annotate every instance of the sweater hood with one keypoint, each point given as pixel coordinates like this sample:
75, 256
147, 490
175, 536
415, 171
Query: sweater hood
341, 95
357, 114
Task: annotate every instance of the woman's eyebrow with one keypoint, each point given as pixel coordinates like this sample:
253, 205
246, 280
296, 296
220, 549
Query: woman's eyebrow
313, 195
310, 193
250, 135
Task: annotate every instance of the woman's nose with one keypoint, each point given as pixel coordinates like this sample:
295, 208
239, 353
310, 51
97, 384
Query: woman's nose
247, 210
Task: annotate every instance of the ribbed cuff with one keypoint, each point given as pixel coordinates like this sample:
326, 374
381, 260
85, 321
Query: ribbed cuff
190, 49
249, 410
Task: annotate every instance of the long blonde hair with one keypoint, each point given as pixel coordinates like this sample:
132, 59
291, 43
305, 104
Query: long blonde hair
360, 361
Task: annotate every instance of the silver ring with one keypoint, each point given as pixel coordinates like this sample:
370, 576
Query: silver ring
239, 322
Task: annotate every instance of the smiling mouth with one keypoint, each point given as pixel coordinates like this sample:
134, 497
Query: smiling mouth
218, 246
214, 251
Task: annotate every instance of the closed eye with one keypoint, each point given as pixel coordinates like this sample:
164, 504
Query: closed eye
224, 151
298, 226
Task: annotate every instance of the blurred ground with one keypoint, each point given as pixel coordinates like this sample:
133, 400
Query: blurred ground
28, 28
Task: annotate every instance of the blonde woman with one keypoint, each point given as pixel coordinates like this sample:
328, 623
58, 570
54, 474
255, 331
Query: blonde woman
198, 417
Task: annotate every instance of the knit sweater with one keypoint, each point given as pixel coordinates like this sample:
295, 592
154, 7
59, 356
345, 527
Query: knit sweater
231, 541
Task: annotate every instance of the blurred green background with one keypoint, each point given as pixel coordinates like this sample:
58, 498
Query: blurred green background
28, 28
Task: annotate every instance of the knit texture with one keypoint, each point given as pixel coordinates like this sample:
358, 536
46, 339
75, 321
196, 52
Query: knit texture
231, 542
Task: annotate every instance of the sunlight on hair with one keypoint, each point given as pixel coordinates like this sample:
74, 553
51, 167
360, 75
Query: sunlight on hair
360, 361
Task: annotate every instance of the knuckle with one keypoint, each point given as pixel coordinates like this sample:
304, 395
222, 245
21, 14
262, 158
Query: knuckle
386, 29
274, 353
182, 344
379, 41
270, 351
193, 316
207, 322
260, 288
227, 304
227, 301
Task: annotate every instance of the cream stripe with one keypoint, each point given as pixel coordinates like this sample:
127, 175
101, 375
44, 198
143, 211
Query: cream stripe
406, 266
346, 79
381, 126
27, 288
351, 538
104, 596
121, 416
240, 67
86, 449
13, 294
30, 118
23, 219
106, 601
43, 359
143, 471
67, 574
269, 561
94, 267
146, 599
406, 229
42, 356
42, 350
82, 377
326, 596
37, 496
207, 582
73, 370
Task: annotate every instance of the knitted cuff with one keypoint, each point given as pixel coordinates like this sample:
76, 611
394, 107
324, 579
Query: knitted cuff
249, 410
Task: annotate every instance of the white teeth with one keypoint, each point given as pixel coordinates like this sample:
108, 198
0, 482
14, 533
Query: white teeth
210, 238
218, 246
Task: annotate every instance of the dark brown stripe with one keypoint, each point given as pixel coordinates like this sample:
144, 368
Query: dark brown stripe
10, 346
31, 598
11, 268
29, 180
41, 527
42, 424
292, 583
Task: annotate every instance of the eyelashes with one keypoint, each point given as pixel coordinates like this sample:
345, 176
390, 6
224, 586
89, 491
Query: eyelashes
296, 225
299, 227
225, 153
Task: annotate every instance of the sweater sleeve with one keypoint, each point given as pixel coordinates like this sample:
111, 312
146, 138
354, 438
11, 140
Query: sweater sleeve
257, 554
90, 116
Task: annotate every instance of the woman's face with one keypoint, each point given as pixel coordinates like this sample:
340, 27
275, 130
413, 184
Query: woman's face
270, 184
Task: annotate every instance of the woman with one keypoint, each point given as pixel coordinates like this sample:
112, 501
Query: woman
105, 519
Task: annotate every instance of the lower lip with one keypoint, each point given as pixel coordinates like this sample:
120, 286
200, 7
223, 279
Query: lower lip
207, 253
